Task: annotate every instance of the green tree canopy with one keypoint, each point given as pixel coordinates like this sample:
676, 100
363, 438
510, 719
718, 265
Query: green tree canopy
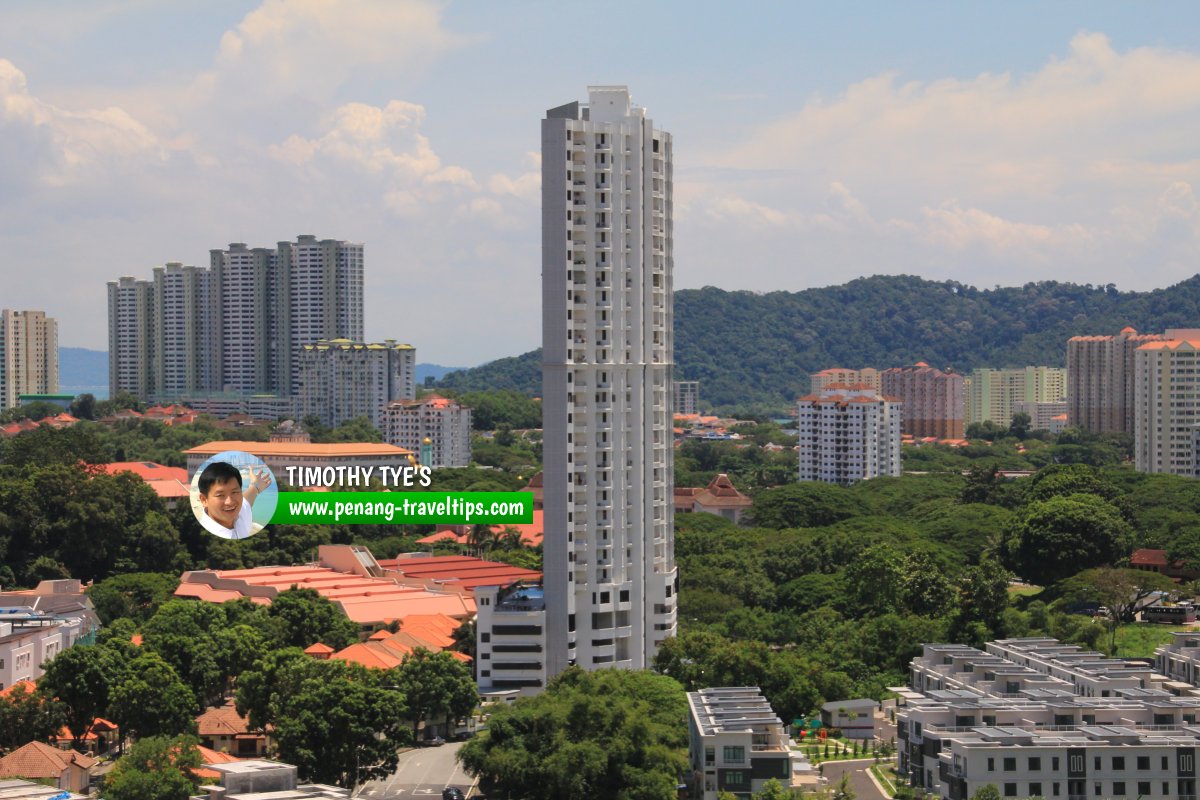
152, 700
611, 733
436, 686
1052, 539
307, 618
80, 678
155, 768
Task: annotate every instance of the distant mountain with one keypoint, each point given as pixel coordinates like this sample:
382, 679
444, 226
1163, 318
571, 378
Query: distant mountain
522, 373
81, 370
435, 371
748, 348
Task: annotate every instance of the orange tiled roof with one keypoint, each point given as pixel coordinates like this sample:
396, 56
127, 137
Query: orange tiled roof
721, 493
443, 536
28, 686
464, 572
363, 599
222, 721
40, 760
1172, 344
264, 449
208, 756
531, 532
320, 648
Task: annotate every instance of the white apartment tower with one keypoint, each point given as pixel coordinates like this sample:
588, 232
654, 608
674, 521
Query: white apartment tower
610, 576
443, 422
28, 355
1167, 403
848, 434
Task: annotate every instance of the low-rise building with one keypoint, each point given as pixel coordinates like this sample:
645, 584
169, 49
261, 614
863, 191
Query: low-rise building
66, 769
258, 780
278, 456
855, 718
1035, 717
14, 789
719, 497
223, 729
510, 638
34, 628
736, 742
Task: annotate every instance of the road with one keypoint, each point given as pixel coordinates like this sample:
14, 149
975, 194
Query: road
421, 773
864, 788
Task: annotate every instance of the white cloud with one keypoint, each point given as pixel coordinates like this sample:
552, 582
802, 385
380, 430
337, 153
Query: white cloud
1080, 165
52, 146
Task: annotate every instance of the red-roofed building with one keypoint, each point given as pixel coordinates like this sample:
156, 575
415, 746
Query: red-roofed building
1153, 560
349, 577
223, 729
68, 770
531, 532
208, 756
169, 483
455, 573
722, 498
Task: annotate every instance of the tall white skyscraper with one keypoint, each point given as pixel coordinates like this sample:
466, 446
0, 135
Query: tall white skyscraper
610, 578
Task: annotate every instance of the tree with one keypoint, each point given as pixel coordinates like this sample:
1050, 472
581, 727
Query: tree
80, 678
136, 595
435, 685
843, 790
803, 505
987, 792
1053, 539
338, 728
611, 733
28, 716
307, 618
152, 700
773, 790
84, 406
1121, 591
983, 593
155, 768
1020, 426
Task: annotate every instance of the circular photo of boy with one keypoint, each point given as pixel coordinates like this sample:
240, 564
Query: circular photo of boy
234, 495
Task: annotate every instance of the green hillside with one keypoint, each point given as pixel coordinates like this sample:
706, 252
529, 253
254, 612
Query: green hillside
747, 348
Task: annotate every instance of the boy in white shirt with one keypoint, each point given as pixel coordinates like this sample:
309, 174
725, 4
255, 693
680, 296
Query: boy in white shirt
227, 509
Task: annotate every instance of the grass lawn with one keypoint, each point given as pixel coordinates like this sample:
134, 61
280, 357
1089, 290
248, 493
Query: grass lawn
886, 775
1139, 639
1023, 591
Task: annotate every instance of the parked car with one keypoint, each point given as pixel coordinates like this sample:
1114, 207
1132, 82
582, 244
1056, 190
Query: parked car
436, 741
453, 793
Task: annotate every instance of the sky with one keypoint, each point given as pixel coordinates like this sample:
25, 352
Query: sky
992, 144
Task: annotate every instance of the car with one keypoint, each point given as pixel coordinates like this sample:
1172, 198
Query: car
453, 793
436, 741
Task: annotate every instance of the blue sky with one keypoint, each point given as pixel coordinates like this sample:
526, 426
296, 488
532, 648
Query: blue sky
986, 143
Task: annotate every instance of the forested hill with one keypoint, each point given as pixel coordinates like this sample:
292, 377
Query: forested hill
747, 348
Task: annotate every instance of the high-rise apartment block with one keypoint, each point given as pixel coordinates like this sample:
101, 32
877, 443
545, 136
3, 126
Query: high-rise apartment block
234, 327
609, 577
992, 394
686, 397
1167, 403
435, 422
848, 435
933, 400
819, 381
340, 379
28, 355
1101, 380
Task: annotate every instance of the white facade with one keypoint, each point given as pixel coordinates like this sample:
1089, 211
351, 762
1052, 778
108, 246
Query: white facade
848, 435
1035, 717
340, 379
29, 639
28, 355
445, 423
511, 644
607, 247
1167, 403
736, 742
